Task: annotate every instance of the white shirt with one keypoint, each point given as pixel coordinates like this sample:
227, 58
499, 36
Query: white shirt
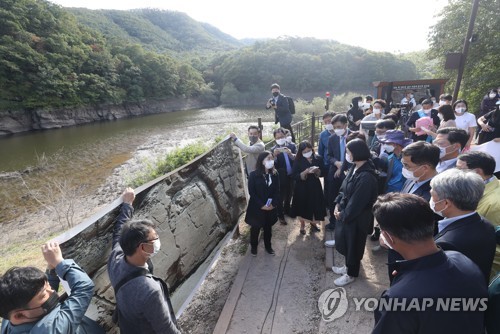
443, 165
466, 121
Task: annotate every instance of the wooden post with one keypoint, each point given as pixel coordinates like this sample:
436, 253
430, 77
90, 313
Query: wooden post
313, 128
259, 124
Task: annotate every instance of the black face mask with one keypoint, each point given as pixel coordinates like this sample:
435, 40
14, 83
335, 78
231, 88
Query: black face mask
48, 305
276, 94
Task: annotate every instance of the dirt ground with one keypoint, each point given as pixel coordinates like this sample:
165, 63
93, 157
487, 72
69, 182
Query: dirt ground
280, 293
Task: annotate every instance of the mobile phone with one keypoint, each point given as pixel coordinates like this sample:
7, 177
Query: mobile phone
269, 201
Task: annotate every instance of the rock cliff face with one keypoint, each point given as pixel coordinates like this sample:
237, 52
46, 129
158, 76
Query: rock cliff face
40, 119
192, 207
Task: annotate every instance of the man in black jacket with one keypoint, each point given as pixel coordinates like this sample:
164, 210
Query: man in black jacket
428, 278
279, 103
455, 195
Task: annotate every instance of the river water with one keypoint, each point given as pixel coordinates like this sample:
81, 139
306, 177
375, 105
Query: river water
86, 156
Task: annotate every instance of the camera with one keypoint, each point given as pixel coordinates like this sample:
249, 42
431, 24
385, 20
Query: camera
271, 100
405, 108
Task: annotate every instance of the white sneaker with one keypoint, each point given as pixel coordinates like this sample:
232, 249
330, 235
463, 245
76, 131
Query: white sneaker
340, 270
344, 280
330, 243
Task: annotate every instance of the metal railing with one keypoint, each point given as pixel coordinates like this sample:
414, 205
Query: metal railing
307, 129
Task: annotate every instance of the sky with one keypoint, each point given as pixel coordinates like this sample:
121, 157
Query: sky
384, 25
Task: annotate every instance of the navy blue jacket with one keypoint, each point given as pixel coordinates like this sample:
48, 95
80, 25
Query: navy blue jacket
440, 275
282, 111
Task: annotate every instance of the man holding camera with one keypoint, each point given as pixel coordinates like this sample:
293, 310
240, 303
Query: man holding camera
282, 113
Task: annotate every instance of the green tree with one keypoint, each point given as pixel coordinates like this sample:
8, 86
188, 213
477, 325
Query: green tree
482, 68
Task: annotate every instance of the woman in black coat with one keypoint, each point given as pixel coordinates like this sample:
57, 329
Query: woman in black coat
308, 202
264, 190
353, 210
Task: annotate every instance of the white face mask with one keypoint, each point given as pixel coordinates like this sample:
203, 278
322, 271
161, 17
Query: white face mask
409, 175
156, 247
376, 111
329, 127
269, 164
360, 104
385, 240
441, 117
493, 95
289, 139
389, 148
459, 110
307, 154
339, 132
281, 141
427, 112
433, 207
442, 102
348, 158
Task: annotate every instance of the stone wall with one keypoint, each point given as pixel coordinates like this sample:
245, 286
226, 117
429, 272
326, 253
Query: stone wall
193, 208
12, 122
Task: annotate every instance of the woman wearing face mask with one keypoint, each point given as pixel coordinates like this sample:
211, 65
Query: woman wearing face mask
355, 114
447, 117
465, 120
490, 125
489, 102
353, 210
308, 203
424, 118
264, 190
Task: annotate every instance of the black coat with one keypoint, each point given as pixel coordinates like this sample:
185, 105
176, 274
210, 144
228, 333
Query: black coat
280, 163
260, 192
308, 199
413, 118
356, 198
282, 112
472, 236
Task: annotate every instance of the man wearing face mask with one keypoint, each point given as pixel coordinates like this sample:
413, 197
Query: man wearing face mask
279, 103
419, 116
336, 156
451, 141
30, 303
426, 273
455, 195
255, 147
142, 300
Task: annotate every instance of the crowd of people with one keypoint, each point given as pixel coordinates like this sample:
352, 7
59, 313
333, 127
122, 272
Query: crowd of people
431, 199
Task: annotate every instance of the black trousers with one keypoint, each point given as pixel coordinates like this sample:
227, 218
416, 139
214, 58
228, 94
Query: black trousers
289, 127
353, 269
254, 236
286, 193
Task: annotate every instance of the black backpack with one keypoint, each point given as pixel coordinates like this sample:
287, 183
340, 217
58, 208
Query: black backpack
291, 105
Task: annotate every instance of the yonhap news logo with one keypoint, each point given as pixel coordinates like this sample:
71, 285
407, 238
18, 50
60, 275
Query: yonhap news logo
333, 304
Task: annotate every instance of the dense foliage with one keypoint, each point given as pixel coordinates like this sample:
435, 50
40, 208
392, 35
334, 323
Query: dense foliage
482, 69
48, 59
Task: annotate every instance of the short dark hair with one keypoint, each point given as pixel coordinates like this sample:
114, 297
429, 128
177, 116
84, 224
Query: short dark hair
359, 150
427, 101
279, 130
133, 234
455, 135
355, 134
481, 160
255, 127
460, 101
405, 216
422, 153
369, 97
381, 102
302, 146
18, 286
259, 166
447, 111
275, 85
446, 97
327, 114
339, 118
388, 124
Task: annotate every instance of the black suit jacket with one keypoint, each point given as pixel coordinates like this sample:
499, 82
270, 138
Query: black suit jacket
472, 236
334, 151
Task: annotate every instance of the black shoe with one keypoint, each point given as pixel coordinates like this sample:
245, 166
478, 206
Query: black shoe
330, 226
283, 221
314, 228
270, 251
254, 251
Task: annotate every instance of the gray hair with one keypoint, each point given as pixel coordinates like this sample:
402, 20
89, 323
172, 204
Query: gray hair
463, 188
